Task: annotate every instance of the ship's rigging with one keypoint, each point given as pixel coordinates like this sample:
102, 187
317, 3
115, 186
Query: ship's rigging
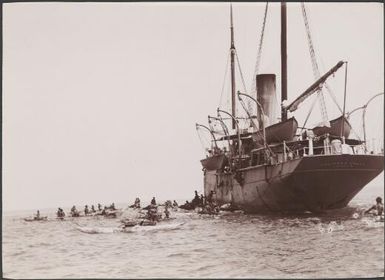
270, 166
234, 59
249, 109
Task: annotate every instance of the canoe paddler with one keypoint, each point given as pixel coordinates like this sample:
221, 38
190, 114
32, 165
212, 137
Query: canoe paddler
153, 201
37, 217
167, 212
379, 207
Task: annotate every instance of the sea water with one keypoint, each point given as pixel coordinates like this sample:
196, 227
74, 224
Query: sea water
231, 245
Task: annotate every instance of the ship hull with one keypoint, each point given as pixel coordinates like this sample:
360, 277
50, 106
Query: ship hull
315, 183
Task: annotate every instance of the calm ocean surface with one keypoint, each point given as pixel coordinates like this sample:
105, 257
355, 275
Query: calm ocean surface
194, 246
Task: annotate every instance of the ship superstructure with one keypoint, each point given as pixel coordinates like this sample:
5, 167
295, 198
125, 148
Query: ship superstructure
278, 166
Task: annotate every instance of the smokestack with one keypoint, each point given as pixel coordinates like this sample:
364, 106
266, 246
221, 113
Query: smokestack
266, 96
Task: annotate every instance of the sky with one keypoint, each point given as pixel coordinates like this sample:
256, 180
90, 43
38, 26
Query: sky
100, 100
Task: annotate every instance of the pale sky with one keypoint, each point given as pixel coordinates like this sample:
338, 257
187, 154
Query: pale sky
100, 100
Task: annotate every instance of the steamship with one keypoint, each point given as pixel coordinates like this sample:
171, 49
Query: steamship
270, 167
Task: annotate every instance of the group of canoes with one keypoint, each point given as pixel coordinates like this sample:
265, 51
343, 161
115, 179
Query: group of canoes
108, 211
152, 216
205, 205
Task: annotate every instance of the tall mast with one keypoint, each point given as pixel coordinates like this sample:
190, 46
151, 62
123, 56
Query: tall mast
232, 54
283, 60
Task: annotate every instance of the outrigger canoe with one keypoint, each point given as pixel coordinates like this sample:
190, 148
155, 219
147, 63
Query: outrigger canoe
36, 219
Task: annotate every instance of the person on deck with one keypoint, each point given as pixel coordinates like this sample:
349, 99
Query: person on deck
379, 207
37, 217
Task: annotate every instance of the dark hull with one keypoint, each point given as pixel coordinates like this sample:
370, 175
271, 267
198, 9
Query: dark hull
335, 128
314, 183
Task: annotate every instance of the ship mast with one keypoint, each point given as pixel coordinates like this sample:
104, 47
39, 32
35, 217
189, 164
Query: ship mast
232, 54
283, 61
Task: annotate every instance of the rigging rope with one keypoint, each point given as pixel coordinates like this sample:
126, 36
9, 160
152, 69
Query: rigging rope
240, 72
253, 88
259, 52
316, 72
242, 79
200, 139
224, 79
316, 68
308, 114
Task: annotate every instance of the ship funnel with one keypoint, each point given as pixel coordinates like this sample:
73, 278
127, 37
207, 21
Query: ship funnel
266, 96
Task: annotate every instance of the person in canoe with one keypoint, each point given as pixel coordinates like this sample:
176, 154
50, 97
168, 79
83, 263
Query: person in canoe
137, 203
74, 212
166, 211
186, 206
202, 201
93, 209
196, 200
99, 207
60, 213
37, 216
152, 213
86, 210
378, 208
210, 198
168, 203
112, 206
104, 212
175, 204
153, 201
